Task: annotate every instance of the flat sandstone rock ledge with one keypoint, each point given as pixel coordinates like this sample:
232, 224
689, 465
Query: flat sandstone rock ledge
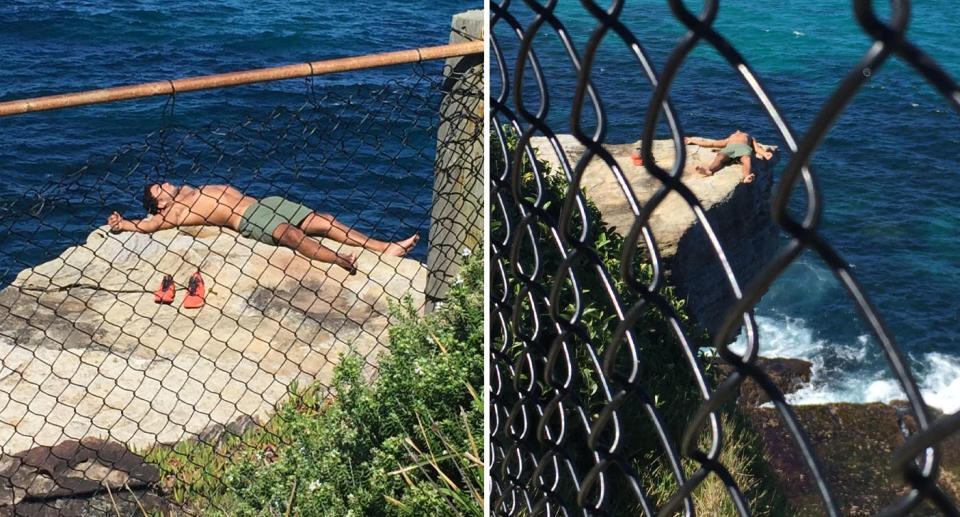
86, 353
738, 212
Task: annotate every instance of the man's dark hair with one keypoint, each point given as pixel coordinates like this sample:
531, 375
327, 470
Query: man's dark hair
150, 202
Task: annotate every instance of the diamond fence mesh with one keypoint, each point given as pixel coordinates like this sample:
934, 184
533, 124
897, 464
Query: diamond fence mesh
601, 403
107, 367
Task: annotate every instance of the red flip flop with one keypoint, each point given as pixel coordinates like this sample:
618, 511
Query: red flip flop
637, 160
166, 291
195, 292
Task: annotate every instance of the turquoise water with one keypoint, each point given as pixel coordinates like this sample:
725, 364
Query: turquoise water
887, 170
73, 45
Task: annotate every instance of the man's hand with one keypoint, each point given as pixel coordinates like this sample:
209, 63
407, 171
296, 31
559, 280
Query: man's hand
116, 222
687, 140
765, 153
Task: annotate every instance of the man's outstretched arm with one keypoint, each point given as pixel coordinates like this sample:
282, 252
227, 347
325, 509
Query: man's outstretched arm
705, 142
119, 224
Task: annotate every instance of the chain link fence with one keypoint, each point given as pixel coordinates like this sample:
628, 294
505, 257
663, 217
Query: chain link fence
139, 338
600, 400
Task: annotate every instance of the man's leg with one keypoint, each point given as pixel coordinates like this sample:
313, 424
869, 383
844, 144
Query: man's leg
327, 226
293, 237
747, 164
718, 163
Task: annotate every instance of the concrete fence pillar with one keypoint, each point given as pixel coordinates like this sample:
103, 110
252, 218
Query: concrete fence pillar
456, 222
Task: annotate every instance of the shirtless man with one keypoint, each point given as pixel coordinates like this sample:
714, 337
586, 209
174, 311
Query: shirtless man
272, 220
738, 145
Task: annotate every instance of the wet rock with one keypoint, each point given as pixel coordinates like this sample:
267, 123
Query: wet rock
789, 375
855, 443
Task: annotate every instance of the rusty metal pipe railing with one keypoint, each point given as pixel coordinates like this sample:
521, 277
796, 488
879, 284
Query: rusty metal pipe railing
230, 79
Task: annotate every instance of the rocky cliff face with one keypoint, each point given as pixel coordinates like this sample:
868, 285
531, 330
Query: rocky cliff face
738, 212
854, 442
87, 354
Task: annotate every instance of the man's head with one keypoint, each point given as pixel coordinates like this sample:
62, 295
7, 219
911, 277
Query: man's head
158, 196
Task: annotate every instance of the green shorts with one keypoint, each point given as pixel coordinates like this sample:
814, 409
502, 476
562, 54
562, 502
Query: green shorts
737, 150
261, 219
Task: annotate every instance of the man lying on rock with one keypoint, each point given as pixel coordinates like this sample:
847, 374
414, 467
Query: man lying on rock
273, 220
738, 145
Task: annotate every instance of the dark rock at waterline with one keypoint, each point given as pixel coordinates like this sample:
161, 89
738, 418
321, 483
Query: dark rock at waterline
855, 443
789, 375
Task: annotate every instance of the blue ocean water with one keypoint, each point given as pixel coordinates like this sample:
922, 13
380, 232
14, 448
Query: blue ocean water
888, 172
64, 46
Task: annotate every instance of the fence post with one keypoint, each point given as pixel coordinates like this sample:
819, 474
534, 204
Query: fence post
456, 220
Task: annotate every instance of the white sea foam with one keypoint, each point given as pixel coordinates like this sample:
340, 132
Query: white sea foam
937, 374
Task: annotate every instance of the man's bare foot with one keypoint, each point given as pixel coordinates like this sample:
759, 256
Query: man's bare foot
749, 178
401, 248
703, 170
348, 261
